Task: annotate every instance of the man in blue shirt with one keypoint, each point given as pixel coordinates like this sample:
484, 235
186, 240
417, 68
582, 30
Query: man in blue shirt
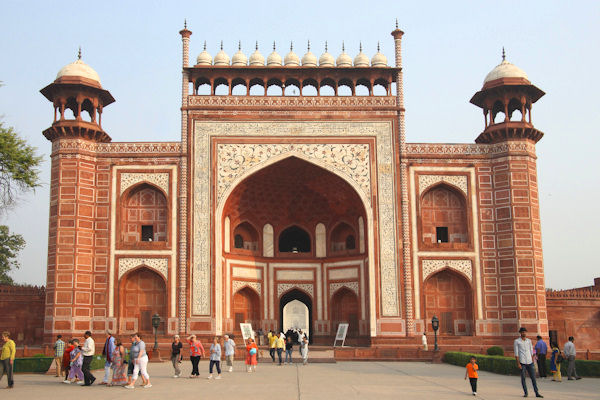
107, 351
541, 349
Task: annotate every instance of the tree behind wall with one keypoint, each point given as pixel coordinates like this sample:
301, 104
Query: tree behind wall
10, 245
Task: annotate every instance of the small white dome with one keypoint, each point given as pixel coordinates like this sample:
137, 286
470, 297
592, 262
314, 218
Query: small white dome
256, 58
379, 60
274, 58
505, 70
239, 58
344, 60
361, 60
326, 59
291, 58
78, 68
221, 58
204, 58
309, 59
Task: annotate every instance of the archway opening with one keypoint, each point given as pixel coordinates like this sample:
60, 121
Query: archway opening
448, 296
344, 309
142, 293
246, 308
294, 240
294, 315
443, 216
144, 215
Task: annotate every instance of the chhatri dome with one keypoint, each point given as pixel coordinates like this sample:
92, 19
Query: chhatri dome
221, 58
256, 58
239, 58
505, 70
274, 58
78, 69
361, 60
344, 60
379, 60
326, 59
309, 59
291, 58
204, 58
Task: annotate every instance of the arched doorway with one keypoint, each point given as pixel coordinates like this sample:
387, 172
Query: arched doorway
448, 296
246, 308
344, 308
299, 304
143, 293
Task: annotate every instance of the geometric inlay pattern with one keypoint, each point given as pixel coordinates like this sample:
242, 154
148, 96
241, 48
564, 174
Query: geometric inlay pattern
333, 287
432, 266
237, 285
459, 181
160, 265
160, 179
284, 287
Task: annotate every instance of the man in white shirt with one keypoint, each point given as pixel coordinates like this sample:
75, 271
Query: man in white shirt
229, 351
570, 353
524, 356
88, 354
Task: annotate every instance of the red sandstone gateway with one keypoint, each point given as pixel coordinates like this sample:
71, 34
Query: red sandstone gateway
294, 201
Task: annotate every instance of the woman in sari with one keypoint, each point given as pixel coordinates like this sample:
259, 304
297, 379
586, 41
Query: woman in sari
251, 355
555, 363
119, 366
75, 372
66, 360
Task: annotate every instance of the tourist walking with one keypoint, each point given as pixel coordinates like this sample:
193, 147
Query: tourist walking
251, 355
229, 345
524, 355
176, 356
280, 347
541, 349
107, 351
555, 361
289, 346
75, 363
59, 351
66, 360
272, 344
570, 353
471, 373
89, 347
196, 351
215, 358
304, 350
300, 339
139, 357
119, 367
424, 341
7, 359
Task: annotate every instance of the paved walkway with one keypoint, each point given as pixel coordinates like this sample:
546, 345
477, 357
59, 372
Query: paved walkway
344, 380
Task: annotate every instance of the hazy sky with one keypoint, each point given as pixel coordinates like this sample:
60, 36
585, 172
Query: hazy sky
448, 48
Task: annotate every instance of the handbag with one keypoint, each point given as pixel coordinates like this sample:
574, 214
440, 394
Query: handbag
560, 359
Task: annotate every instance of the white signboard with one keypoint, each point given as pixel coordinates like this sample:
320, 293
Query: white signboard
247, 331
341, 333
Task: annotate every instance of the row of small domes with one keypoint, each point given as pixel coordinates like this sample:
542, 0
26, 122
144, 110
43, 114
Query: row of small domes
292, 59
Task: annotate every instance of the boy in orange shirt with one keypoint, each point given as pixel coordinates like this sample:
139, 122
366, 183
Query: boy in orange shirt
471, 372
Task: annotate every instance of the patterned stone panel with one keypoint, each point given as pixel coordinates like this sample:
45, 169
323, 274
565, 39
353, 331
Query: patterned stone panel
161, 265
432, 266
284, 287
459, 181
129, 179
293, 102
333, 287
237, 285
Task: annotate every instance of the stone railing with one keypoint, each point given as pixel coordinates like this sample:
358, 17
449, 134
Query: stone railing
579, 293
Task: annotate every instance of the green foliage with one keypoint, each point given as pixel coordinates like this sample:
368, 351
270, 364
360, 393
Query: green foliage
508, 365
32, 364
98, 362
495, 351
10, 245
18, 166
39, 355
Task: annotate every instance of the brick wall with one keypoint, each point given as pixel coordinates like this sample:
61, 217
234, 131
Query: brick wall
22, 313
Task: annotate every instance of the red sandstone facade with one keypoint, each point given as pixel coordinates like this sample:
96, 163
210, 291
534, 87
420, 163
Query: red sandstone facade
270, 199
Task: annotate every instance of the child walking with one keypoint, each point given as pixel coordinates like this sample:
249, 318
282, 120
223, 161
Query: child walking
471, 373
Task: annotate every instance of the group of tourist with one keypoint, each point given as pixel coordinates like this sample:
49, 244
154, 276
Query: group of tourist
73, 361
285, 342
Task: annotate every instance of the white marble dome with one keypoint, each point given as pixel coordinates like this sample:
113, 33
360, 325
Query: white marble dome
291, 58
344, 60
505, 70
256, 58
80, 69
309, 59
361, 59
274, 59
379, 60
204, 58
221, 58
239, 58
326, 59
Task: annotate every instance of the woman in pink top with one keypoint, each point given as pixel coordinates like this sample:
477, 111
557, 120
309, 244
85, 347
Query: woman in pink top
196, 351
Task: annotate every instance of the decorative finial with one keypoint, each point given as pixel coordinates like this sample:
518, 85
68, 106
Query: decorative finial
291, 46
308, 44
273, 45
326, 46
257, 45
396, 23
503, 54
185, 23
221, 45
205, 45
343, 47
79, 53
360, 46
239, 45
378, 47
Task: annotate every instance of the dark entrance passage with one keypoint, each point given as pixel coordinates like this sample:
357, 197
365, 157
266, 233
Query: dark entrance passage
305, 300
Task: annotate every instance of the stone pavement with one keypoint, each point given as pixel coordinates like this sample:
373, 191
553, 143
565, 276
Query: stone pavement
344, 380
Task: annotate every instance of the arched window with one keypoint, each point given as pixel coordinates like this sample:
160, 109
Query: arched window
350, 242
443, 216
343, 237
294, 240
245, 237
144, 215
238, 242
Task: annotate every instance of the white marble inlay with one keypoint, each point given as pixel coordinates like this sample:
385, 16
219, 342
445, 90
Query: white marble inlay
284, 287
160, 179
346, 273
459, 181
161, 265
250, 273
333, 287
288, 275
237, 285
432, 266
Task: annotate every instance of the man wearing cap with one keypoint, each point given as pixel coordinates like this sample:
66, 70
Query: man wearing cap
524, 356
